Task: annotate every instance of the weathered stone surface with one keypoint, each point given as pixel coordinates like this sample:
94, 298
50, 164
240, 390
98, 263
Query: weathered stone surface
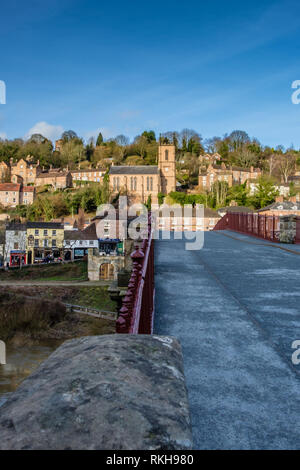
102, 392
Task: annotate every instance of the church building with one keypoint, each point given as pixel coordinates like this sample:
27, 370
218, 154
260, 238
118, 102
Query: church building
140, 182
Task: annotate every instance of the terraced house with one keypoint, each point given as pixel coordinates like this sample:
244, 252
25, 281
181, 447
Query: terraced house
44, 239
13, 194
231, 175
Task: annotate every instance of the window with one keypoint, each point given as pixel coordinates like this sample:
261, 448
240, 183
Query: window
53, 242
116, 184
45, 232
91, 242
148, 185
53, 232
80, 242
14, 200
36, 232
151, 183
25, 194
16, 233
46, 243
166, 154
16, 246
36, 242
135, 183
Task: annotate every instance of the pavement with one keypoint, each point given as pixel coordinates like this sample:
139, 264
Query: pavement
234, 306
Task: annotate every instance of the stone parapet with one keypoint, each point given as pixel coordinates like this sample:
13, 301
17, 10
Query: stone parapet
114, 392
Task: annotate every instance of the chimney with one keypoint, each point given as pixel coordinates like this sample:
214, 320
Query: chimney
251, 169
233, 204
279, 199
38, 162
223, 166
293, 199
51, 166
11, 160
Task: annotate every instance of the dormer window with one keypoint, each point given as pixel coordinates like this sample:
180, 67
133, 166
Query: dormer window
295, 208
280, 207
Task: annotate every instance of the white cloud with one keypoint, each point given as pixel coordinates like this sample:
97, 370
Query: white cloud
47, 130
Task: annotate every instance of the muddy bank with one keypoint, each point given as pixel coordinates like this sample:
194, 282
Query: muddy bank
28, 321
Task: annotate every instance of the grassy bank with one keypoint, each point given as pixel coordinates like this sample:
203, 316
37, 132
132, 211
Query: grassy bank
48, 272
96, 297
23, 314
35, 314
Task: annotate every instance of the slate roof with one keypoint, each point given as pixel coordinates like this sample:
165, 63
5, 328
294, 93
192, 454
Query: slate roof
50, 225
134, 170
282, 206
234, 209
10, 187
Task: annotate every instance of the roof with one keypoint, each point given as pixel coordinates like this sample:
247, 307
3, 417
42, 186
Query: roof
90, 232
234, 209
134, 170
16, 226
10, 187
50, 225
182, 213
88, 170
279, 206
52, 173
28, 189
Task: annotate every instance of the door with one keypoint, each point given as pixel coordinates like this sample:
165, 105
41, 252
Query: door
107, 272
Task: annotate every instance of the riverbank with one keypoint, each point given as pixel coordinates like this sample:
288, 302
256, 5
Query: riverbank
30, 315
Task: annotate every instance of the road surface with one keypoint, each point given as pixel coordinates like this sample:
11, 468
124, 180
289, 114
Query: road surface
234, 305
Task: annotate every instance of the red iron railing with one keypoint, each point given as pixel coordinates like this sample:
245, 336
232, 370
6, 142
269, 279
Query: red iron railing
137, 311
297, 239
261, 226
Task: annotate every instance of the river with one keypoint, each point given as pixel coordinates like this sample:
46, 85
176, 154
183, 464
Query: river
21, 361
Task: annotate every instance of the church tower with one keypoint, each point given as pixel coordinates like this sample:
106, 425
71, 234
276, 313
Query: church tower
167, 168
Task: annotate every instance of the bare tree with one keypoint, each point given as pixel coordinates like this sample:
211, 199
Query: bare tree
286, 165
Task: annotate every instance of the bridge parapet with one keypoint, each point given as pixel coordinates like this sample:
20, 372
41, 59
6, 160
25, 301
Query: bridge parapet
137, 311
113, 392
284, 229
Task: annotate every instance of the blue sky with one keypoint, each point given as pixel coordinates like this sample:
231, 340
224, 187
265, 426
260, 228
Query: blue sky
123, 67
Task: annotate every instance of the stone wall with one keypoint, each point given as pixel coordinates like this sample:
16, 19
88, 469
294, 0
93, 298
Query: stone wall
114, 392
287, 229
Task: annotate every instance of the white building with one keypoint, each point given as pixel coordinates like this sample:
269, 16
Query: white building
77, 243
15, 244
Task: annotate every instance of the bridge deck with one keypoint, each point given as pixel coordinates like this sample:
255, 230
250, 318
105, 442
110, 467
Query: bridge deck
234, 305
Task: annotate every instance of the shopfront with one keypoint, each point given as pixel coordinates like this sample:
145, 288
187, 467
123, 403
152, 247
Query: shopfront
17, 258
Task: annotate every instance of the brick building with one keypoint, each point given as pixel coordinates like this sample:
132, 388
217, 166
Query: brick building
4, 172
89, 174
58, 179
231, 175
140, 182
24, 171
281, 207
178, 221
14, 194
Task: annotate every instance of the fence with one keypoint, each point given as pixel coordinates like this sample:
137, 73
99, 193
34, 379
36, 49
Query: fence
261, 226
137, 311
